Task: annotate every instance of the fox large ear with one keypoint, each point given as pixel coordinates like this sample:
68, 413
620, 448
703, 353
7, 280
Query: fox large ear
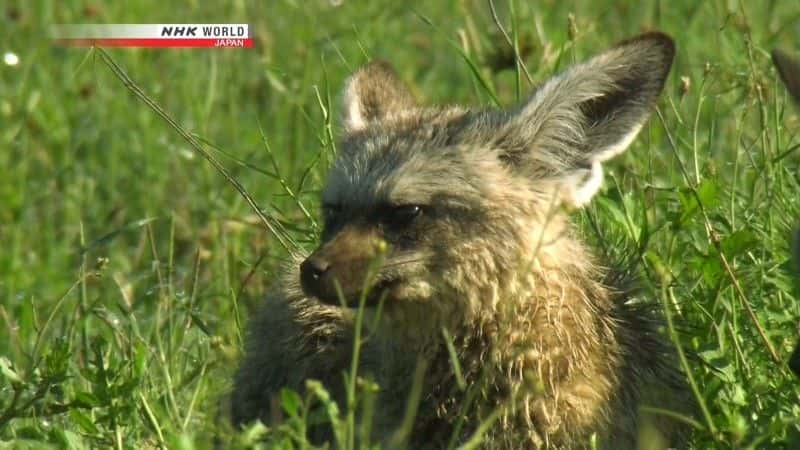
587, 115
373, 94
789, 69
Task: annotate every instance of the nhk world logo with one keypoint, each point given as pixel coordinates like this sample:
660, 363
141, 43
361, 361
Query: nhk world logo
194, 35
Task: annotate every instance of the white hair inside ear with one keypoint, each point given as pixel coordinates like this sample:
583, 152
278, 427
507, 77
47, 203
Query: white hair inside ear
619, 147
374, 93
354, 119
581, 185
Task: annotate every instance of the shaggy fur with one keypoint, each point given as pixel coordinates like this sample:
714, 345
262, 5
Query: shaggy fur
461, 215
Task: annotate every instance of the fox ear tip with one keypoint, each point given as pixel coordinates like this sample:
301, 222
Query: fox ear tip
782, 61
788, 68
778, 55
661, 37
655, 38
380, 65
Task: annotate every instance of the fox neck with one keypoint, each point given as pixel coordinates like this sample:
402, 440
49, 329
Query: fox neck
549, 316
538, 334
549, 299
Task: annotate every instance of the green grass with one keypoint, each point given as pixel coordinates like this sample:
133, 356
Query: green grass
128, 265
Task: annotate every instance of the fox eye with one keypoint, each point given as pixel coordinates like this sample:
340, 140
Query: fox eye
401, 216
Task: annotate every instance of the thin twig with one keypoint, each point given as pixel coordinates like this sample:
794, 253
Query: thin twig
194, 143
510, 42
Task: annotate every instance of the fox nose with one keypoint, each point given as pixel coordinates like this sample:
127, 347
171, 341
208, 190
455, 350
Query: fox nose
311, 272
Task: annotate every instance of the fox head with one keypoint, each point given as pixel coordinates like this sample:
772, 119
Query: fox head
437, 208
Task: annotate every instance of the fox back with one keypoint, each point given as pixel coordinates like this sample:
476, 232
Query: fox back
450, 226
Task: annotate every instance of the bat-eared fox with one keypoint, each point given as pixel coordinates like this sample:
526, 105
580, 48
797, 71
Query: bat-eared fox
449, 225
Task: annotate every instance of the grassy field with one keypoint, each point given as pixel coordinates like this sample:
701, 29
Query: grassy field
129, 266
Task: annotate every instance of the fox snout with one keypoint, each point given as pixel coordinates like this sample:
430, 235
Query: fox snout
339, 269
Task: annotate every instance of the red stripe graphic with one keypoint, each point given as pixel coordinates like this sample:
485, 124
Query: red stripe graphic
161, 42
